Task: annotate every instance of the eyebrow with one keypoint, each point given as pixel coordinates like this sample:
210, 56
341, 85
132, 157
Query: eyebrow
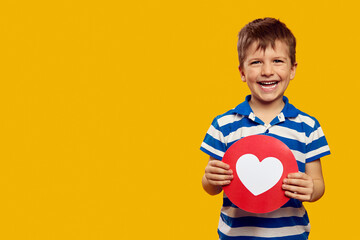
277, 56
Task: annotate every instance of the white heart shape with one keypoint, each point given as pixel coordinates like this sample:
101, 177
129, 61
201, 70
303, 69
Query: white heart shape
258, 177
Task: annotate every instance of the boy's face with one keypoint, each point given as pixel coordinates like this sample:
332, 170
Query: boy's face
267, 73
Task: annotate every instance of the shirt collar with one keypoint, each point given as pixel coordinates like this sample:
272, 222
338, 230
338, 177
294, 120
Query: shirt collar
244, 108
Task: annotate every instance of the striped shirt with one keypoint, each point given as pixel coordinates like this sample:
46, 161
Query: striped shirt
305, 138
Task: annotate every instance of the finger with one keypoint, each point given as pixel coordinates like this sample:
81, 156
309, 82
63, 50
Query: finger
220, 183
217, 170
220, 164
218, 177
297, 182
298, 175
296, 189
298, 196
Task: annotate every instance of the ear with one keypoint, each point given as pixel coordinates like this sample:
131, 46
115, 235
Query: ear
293, 71
242, 74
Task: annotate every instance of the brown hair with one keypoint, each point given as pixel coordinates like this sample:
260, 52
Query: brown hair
265, 31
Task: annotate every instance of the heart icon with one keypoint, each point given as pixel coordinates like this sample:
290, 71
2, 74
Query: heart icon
258, 177
259, 163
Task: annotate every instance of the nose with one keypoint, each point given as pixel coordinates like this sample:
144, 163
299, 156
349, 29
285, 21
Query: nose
267, 69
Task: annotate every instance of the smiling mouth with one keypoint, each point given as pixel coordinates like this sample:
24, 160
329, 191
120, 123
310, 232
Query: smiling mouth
268, 84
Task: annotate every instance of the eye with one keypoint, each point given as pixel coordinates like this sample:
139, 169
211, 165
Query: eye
278, 61
255, 62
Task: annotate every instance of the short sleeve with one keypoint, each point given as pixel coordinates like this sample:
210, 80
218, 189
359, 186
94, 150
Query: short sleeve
214, 141
317, 145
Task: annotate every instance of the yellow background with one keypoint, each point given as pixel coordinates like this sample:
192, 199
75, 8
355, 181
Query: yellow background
104, 104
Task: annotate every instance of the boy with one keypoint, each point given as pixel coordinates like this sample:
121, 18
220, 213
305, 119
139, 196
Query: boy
266, 49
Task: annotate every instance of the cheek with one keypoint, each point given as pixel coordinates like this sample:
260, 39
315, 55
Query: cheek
285, 70
251, 76
285, 73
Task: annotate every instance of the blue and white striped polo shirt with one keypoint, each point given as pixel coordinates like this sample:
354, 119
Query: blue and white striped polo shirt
305, 138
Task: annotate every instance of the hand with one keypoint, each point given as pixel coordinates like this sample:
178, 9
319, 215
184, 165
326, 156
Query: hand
218, 173
299, 186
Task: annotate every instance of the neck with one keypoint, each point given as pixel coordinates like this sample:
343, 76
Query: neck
266, 111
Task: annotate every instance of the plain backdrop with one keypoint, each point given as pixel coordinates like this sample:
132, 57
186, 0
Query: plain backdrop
104, 105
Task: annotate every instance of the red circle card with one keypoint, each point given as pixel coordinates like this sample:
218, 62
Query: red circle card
260, 163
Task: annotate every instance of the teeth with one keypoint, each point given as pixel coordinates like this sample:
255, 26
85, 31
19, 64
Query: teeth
270, 86
267, 83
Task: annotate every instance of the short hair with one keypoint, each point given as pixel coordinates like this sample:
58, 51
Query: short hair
265, 31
